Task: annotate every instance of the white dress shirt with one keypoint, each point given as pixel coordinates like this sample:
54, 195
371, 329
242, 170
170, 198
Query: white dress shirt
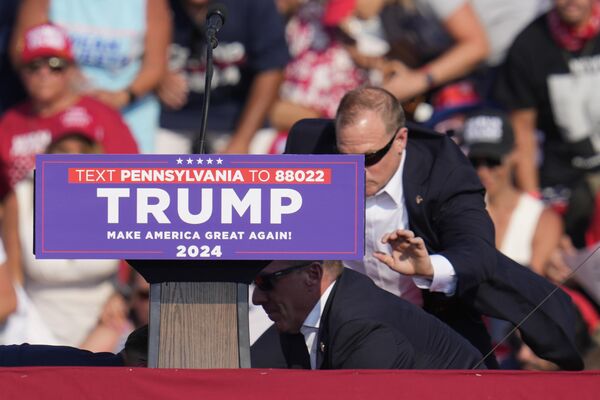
386, 212
310, 326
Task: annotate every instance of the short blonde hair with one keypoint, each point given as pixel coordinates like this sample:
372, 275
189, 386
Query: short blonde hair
334, 268
370, 98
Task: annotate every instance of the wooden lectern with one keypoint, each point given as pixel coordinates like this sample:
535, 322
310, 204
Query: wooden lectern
198, 312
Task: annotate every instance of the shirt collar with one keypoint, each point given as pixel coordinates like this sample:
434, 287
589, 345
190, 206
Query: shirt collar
393, 189
314, 317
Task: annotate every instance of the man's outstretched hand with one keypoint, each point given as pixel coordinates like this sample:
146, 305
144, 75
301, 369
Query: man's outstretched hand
409, 254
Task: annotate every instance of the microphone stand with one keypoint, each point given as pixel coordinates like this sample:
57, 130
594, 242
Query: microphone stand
212, 43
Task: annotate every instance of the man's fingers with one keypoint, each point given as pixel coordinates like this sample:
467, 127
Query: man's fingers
418, 242
405, 233
385, 238
391, 263
384, 258
397, 235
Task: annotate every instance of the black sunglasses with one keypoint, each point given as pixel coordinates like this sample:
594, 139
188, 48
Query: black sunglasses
376, 156
266, 282
54, 64
485, 162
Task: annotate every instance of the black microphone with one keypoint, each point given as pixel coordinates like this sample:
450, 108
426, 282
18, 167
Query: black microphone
215, 19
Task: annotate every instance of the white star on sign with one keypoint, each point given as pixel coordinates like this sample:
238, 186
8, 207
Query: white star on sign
209, 161
219, 161
189, 161
179, 160
199, 160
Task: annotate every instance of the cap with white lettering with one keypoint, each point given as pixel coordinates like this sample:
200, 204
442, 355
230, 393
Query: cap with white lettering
46, 40
488, 133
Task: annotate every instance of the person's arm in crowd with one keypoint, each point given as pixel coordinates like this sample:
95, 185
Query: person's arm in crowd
10, 237
102, 338
10, 270
263, 93
471, 47
524, 125
154, 63
284, 114
546, 240
557, 270
515, 89
111, 326
173, 90
8, 297
267, 56
31, 13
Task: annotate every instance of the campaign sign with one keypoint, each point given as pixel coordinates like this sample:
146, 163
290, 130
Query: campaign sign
199, 206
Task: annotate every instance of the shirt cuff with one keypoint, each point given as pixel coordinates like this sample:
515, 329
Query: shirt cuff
444, 277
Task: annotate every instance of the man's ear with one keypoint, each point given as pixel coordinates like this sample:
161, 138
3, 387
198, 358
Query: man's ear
314, 273
401, 138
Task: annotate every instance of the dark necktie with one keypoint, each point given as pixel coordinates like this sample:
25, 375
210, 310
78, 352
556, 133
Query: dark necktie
295, 349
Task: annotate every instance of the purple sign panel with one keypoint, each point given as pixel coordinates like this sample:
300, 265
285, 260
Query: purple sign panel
199, 206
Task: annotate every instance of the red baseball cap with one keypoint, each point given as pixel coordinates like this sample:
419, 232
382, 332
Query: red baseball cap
46, 40
78, 121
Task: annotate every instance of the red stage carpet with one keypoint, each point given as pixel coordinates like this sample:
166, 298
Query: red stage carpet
140, 383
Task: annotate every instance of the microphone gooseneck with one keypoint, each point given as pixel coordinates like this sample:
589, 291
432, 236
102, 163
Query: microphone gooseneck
215, 18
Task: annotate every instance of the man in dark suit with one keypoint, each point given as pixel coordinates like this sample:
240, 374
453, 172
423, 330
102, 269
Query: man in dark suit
331, 317
423, 192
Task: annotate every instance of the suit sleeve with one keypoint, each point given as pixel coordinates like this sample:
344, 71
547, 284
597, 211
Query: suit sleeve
514, 293
46, 355
464, 229
363, 344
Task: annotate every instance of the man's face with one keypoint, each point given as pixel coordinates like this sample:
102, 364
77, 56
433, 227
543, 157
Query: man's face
574, 12
369, 135
46, 79
286, 298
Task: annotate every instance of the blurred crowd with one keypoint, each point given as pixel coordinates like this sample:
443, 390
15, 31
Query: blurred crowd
513, 82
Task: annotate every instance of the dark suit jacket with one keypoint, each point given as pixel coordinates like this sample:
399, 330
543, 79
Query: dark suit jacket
377, 329
20, 355
445, 204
